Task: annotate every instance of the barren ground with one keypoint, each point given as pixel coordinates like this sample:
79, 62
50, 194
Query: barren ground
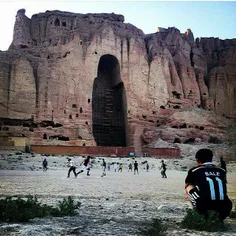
118, 204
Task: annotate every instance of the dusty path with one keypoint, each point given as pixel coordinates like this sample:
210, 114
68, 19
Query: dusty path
146, 185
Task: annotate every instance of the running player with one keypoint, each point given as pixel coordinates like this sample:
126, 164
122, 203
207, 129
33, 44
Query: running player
205, 186
71, 164
86, 165
130, 167
120, 167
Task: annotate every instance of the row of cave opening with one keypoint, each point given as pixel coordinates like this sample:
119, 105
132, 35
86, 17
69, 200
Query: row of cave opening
58, 23
185, 126
57, 125
212, 139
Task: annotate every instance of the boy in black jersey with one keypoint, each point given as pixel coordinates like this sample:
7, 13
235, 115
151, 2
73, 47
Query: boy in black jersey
86, 166
205, 186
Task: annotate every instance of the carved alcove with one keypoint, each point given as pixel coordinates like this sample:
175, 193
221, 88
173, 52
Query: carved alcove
109, 104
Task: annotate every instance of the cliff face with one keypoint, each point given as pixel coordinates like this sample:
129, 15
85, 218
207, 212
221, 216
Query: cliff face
86, 77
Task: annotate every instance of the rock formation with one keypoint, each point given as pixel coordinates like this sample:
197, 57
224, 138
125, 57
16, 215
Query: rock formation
91, 79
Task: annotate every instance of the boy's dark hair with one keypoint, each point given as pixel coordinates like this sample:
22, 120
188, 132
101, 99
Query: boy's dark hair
204, 155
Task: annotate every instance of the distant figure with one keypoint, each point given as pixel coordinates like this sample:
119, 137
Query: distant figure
147, 167
115, 166
223, 166
163, 168
86, 166
130, 167
71, 164
120, 167
45, 164
136, 167
109, 166
206, 187
104, 165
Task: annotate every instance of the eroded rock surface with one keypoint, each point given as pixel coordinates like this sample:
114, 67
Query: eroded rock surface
93, 76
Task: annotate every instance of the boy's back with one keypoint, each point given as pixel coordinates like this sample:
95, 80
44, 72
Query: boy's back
210, 180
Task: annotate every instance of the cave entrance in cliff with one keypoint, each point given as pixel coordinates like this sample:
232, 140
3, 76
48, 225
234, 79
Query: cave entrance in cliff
109, 104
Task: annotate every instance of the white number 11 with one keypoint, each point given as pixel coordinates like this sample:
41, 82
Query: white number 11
212, 188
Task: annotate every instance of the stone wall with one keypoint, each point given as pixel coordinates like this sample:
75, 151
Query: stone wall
106, 151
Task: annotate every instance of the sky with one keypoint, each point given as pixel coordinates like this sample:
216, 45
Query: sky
205, 19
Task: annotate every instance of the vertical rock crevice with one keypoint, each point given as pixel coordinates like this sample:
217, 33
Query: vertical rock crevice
9, 87
121, 54
128, 48
191, 57
35, 74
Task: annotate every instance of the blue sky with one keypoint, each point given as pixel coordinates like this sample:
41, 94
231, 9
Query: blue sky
205, 19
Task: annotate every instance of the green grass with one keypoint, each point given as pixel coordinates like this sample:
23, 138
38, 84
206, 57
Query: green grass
233, 213
24, 209
154, 228
195, 221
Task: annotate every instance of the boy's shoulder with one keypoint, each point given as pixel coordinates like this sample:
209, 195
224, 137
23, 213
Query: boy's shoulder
204, 167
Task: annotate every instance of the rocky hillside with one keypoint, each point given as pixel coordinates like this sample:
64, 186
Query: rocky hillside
91, 79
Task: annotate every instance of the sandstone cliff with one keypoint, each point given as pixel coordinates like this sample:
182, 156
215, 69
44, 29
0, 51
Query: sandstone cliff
91, 79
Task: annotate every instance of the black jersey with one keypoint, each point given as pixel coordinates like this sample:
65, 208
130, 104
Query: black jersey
104, 164
86, 161
210, 181
163, 166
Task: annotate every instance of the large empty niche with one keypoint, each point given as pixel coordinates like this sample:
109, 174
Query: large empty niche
109, 104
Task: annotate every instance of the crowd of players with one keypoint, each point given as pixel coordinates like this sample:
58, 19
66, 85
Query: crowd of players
205, 184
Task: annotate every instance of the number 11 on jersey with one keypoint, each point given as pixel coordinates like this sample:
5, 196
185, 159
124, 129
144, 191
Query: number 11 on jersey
212, 188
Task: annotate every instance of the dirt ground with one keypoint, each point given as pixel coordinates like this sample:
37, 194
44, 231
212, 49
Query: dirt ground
119, 203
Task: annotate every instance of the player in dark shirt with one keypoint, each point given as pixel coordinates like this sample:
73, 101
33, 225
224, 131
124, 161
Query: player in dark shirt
205, 186
45, 164
136, 167
86, 166
163, 168
104, 166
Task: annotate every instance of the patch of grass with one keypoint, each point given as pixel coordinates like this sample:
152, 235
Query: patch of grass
155, 228
195, 221
22, 210
68, 206
233, 213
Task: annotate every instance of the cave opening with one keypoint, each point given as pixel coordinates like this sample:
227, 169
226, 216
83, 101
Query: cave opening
57, 22
109, 104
